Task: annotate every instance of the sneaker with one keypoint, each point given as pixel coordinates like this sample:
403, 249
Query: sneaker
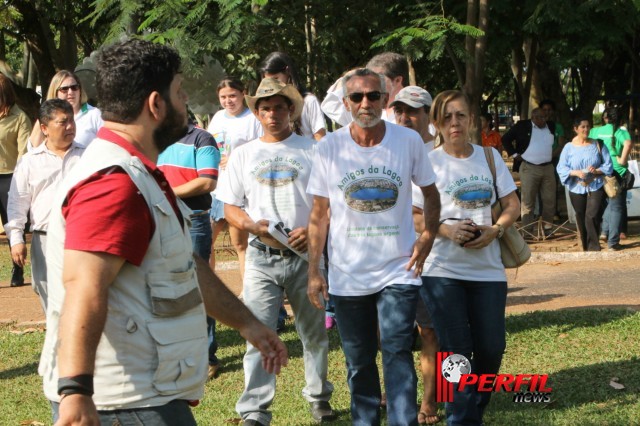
603, 238
615, 247
321, 411
329, 322
17, 276
623, 236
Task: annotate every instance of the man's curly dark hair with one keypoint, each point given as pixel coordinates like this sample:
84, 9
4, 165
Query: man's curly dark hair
128, 72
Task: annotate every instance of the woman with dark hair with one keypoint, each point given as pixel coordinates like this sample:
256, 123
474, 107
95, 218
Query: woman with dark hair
464, 284
66, 85
581, 168
311, 123
14, 132
618, 141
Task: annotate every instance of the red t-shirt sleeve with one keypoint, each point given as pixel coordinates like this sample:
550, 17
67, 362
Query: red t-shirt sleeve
106, 213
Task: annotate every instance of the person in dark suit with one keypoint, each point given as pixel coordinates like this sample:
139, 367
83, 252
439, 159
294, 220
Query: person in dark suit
530, 144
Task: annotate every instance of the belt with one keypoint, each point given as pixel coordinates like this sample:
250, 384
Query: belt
273, 251
199, 213
39, 232
541, 164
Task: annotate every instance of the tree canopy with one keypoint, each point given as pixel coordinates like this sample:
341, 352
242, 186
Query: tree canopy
500, 52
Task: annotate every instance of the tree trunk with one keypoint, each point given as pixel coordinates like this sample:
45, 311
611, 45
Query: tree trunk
309, 33
531, 50
412, 72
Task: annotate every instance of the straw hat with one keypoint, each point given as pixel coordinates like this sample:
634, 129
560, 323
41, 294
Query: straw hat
271, 87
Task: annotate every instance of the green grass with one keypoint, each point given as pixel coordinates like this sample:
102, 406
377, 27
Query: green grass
581, 350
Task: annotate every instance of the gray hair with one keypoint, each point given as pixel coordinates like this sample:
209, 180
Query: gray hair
364, 72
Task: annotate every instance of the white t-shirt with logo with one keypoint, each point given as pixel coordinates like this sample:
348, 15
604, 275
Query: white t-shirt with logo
371, 235
466, 191
231, 131
273, 177
312, 120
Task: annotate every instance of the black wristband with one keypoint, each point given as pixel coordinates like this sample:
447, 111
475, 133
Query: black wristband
81, 384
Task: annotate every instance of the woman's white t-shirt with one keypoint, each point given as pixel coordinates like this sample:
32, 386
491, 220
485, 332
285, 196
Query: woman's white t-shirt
467, 191
232, 131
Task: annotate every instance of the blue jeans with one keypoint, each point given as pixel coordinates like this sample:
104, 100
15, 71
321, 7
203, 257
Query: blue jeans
177, 412
201, 241
615, 216
358, 324
469, 319
266, 278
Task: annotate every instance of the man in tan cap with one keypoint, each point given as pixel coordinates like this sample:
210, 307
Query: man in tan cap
269, 176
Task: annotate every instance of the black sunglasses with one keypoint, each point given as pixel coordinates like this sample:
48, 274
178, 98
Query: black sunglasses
358, 96
65, 89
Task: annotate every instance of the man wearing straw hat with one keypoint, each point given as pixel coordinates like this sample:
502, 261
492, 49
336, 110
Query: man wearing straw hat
269, 176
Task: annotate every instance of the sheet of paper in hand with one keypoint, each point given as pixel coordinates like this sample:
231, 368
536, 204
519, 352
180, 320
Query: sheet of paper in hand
277, 231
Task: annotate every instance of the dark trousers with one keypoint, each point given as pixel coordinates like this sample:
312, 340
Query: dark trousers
589, 208
5, 185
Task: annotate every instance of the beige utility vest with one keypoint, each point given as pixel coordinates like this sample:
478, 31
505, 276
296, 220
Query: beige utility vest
153, 348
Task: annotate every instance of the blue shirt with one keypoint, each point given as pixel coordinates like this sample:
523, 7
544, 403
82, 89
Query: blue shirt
581, 158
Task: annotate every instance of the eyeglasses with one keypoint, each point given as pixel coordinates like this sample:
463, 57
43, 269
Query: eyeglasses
358, 96
65, 89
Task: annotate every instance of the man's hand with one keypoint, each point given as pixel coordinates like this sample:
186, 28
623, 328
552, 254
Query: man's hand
77, 410
316, 287
421, 249
19, 254
223, 162
298, 239
274, 352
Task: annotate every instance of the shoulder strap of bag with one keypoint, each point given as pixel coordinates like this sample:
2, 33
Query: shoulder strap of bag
488, 154
598, 142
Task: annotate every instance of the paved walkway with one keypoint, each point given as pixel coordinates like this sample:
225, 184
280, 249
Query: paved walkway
555, 278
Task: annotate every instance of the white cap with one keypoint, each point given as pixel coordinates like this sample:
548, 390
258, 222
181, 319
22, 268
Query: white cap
413, 96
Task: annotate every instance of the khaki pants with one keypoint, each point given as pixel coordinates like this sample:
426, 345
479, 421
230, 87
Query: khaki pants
536, 179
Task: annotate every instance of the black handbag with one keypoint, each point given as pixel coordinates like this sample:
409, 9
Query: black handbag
628, 180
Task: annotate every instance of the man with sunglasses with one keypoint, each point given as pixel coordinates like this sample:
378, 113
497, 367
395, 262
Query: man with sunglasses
363, 173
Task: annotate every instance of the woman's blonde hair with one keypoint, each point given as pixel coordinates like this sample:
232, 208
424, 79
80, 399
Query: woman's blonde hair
56, 82
439, 106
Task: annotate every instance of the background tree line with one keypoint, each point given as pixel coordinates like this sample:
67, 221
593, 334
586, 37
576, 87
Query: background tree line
502, 53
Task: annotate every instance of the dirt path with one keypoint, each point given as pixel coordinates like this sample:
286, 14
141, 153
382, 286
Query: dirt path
544, 286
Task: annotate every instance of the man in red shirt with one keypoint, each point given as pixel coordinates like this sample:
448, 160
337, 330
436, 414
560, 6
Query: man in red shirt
127, 304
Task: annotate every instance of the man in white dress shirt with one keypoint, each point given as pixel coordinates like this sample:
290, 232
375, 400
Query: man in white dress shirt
530, 143
33, 187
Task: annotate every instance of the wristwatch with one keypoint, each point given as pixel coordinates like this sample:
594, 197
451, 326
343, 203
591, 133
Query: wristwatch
500, 229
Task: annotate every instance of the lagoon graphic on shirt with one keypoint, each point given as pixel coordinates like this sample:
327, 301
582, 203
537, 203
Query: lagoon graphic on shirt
472, 196
277, 174
371, 195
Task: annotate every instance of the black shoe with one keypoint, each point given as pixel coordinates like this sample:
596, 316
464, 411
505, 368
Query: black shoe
252, 422
616, 247
321, 411
17, 276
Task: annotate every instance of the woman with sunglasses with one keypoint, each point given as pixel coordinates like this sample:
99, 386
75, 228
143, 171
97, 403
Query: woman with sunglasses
66, 85
464, 282
311, 123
